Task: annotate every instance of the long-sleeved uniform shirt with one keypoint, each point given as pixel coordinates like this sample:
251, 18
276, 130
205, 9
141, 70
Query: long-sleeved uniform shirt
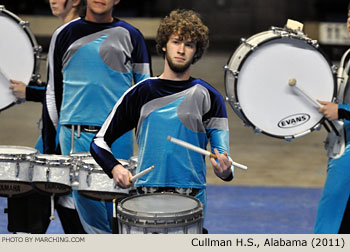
91, 65
191, 110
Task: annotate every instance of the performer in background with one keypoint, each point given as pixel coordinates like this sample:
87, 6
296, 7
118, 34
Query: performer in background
333, 213
65, 10
92, 63
173, 104
31, 213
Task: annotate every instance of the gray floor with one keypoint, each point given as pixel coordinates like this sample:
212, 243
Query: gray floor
271, 161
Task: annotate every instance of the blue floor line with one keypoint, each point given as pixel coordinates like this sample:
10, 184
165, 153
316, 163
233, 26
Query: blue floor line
243, 210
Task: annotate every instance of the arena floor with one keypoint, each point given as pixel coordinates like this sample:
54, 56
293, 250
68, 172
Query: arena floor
272, 163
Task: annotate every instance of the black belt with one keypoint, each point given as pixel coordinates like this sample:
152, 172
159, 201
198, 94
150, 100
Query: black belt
85, 128
186, 191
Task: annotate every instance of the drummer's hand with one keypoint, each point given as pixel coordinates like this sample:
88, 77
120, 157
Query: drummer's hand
121, 176
223, 168
18, 89
329, 109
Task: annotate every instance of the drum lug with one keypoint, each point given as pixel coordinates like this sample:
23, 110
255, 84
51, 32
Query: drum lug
244, 41
257, 130
288, 138
48, 174
17, 169
234, 73
334, 69
231, 100
24, 24
318, 127
88, 179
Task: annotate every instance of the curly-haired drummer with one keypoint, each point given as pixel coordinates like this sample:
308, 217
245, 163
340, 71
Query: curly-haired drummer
173, 104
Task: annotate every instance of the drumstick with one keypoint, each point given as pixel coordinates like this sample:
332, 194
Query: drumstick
293, 83
140, 174
201, 151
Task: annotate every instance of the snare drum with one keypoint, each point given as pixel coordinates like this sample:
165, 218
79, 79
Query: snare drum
165, 213
52, 174
15, 162
257, 77
95, 184
19, 52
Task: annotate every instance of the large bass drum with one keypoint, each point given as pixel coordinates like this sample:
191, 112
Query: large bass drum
257, 77
20, 55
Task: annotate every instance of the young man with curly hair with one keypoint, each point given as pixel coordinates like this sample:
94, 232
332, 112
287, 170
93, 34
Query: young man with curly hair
173, 104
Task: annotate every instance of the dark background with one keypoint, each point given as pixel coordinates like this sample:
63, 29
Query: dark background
228, 20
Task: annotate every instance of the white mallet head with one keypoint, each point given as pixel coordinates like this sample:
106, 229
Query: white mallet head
292, 82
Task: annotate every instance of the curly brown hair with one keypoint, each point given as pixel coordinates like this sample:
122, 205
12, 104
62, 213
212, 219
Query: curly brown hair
187, 24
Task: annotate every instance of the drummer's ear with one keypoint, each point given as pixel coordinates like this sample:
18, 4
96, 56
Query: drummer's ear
163, 49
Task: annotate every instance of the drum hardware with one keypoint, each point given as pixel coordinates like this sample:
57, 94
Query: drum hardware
48, 174
165, 213
15, 163
52, 174
95, 184
244, 41
253, 82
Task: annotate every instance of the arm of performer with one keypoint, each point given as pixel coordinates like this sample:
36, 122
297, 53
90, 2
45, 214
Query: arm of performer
54, 92
333, 111
122, 119
34, 91
218, 132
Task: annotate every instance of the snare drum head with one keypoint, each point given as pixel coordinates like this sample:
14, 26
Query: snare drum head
6, 151
261, 87
17, 56
163, 204
53, 159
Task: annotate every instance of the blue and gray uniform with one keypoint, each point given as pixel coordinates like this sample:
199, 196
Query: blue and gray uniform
333, 214
192, 111
91, 65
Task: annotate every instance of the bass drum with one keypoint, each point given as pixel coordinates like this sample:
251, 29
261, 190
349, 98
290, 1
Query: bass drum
20, 55
257, 77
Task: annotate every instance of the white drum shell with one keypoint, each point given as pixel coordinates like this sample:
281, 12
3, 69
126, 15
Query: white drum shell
256, 81
8, 170
57, 174
170, 218
52, 174
15, 164
92, 178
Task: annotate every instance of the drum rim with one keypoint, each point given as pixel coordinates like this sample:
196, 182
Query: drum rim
18, 156
40, 160
232, 103
152, 218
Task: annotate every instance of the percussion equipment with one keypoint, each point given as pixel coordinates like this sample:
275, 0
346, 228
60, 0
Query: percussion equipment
95, 184
256, 82
165, 213
77, 160
52, 174
19, 52
15, 162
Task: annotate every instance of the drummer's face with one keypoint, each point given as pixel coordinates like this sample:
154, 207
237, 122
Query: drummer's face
60, 8
348, 23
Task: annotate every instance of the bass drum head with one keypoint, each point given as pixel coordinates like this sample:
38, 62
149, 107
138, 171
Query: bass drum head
263, 95
17, 46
